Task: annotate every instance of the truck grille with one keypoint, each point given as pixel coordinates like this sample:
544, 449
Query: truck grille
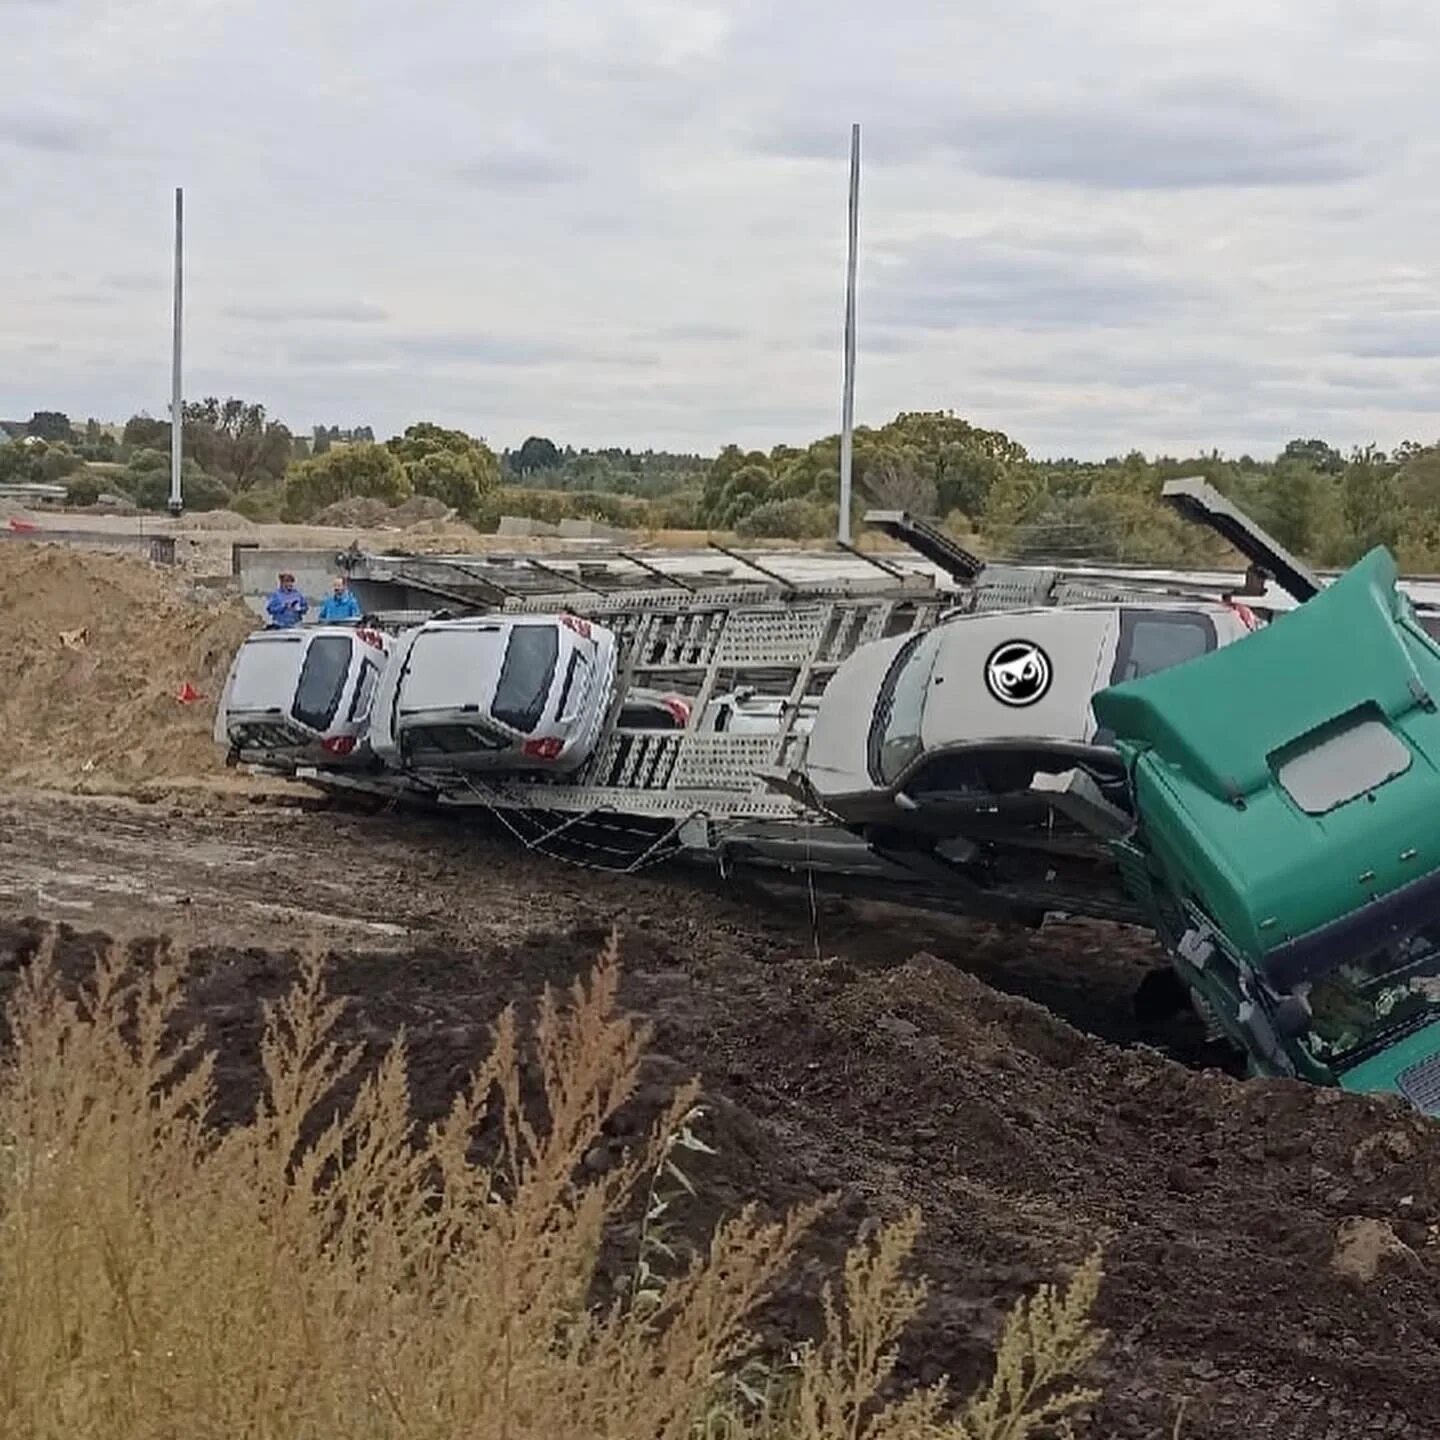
1420, 1085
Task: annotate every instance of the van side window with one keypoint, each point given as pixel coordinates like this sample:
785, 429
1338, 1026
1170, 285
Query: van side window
364, 693
1154, 640
578, 666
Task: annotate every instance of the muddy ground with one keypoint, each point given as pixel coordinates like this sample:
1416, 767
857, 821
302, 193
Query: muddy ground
870, 1056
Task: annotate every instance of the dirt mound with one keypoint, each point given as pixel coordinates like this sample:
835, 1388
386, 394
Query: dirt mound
420, 508
1270, 1251
362, 512
94, 649
217, 520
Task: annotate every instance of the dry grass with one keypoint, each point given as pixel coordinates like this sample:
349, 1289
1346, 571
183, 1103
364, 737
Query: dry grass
327, 1271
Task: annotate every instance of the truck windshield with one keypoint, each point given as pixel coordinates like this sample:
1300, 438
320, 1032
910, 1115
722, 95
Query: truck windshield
1362, 1004
900, 707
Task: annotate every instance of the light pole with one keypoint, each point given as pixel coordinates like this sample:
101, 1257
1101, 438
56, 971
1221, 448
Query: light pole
847, 409
177, 406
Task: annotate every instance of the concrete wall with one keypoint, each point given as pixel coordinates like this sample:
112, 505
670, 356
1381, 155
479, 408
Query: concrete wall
590, 530
258, 572
520, 525
160, 549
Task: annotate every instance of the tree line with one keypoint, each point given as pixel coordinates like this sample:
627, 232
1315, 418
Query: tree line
981, 484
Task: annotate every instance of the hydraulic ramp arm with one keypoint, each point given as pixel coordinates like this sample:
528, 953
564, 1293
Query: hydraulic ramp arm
1201, 503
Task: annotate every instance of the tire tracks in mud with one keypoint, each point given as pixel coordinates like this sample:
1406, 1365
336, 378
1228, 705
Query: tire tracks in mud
847, 1067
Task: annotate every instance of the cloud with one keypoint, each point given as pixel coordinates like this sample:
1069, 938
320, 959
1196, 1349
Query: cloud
1175, 142
696, 332
341, 312
948, 283
482, 348
518, 170
1203, 134
441, 349
139, 281
594, 218
1412, 336
46, 132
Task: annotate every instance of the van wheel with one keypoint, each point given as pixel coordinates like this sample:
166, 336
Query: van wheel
1160, 996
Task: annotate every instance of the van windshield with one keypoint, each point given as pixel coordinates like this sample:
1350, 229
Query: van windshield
1366, 1002
322, 681
526, 676
900, 707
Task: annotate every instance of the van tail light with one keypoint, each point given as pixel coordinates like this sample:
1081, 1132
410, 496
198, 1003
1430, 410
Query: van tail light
547, 749
338, 744
1245, 613
581, 627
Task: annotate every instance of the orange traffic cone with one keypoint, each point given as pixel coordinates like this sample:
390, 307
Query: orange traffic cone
188, 694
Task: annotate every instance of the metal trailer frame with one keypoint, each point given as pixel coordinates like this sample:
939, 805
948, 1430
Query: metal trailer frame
649, 795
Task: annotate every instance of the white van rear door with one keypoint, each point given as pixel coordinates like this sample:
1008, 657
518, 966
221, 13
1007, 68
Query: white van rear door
266, 671
452, 669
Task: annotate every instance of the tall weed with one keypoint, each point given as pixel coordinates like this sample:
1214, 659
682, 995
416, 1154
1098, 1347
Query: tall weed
332, 1271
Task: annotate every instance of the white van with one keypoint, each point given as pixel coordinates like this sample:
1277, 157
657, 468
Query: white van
495, 692
302, 696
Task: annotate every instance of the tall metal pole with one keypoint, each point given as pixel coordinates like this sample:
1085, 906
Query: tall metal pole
847, 414
177, 407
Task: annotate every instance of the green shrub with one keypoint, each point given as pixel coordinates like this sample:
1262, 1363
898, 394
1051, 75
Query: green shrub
344, 473
680, 511
83, 489
550, 506
58, 462
452, 466
787, 520
150, 489
265, 504
617, 510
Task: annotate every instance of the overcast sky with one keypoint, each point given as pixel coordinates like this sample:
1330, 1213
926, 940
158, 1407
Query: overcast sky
1096, 226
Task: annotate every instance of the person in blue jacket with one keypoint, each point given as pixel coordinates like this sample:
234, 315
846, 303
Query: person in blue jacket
339, 604
286, 606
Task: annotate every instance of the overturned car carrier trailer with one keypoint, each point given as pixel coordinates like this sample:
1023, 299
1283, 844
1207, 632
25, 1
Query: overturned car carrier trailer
1263, 796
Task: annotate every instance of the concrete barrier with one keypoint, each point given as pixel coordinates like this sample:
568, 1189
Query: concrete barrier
523, 525
589, 530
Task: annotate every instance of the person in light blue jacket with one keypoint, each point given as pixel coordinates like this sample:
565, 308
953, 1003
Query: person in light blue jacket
287, 606
340, 604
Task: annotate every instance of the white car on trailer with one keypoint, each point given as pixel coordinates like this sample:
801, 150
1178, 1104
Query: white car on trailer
495, 693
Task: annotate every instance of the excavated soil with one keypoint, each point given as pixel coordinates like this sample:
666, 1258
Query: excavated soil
1270, 1248
94, 652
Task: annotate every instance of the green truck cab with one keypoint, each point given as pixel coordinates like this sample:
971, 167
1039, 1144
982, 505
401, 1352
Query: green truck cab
1286, 790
